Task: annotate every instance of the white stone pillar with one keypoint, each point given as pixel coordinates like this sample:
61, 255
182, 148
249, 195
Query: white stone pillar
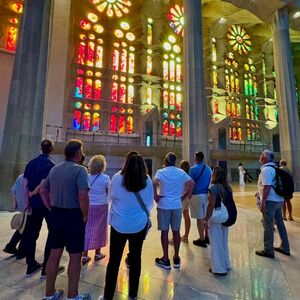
285, 83
195, 132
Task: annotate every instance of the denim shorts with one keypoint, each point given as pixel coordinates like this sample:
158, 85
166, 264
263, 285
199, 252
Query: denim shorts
167, 217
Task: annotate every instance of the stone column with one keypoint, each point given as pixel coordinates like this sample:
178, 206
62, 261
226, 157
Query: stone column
285, 82
195, 135
24, 117
57, 91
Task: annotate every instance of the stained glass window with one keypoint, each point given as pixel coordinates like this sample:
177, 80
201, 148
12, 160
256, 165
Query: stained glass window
10, 21
239, 39
176, 17
112, 7
172, 96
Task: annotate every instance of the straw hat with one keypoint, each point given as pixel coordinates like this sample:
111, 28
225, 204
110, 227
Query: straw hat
18, 221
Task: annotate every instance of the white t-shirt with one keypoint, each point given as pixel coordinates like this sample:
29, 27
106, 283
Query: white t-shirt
171, 186
99, 187
267, 177
126, 215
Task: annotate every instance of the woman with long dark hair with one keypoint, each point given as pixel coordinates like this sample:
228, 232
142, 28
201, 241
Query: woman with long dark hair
218, 234
128, 221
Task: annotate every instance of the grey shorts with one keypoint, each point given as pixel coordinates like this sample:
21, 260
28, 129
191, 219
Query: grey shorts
167, 217
198, 206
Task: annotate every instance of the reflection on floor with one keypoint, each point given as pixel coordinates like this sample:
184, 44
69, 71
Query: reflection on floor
251, 277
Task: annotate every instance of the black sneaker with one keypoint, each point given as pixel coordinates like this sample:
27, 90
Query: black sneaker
163, 263
20, 256
12, 251
60, 270
278, 249
206, 240
176, 262
264, 253
31, 270
200, 243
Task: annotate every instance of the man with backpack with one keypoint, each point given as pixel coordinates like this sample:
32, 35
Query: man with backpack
201, 174
270, 203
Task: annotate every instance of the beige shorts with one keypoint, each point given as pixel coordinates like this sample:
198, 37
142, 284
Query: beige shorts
185, 204
198, 206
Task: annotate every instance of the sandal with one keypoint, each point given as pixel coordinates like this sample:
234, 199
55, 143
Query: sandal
85, 260
99, 256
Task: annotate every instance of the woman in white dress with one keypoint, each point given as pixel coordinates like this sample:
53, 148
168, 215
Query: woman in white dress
218, 234
241, 174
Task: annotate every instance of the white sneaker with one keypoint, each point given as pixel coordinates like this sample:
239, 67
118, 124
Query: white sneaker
57, 296
101, 297
86, 296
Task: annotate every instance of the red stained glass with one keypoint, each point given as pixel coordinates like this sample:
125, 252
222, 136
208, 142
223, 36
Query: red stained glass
11, 41
85, 25
80, 72
86, 121
88, 88
77, 120
178, 101
122, 93
113, 123
17, 7
81, 53
79, 87
13, 20
179, 129
122, 127
165, 127
129, 124
114, 109
116, 59
90, 54
114, 92
97, 90
172, 127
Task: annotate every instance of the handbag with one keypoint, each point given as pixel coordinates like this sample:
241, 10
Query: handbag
143, 206
220, 213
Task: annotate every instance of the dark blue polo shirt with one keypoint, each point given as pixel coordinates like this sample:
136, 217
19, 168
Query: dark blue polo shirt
36, 170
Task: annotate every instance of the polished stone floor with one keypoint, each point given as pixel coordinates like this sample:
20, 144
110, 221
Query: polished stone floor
251, 277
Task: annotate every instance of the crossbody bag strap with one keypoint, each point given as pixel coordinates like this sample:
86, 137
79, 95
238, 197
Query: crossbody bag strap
95, 179
141, 202
200, 173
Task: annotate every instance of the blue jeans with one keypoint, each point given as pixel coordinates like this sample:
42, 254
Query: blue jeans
273, 212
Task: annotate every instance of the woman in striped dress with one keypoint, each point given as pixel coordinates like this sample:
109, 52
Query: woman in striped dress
96, 227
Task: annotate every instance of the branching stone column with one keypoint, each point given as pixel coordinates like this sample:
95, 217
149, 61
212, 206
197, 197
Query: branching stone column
285, 82
25, 109
195, 135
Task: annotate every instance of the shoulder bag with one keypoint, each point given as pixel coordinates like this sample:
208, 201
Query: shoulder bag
143, 206
220, 213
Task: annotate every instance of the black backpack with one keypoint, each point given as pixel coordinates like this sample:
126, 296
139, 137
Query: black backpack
228, 201
284, 183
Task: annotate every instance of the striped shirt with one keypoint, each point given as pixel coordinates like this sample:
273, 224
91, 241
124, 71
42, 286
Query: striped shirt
17, 190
